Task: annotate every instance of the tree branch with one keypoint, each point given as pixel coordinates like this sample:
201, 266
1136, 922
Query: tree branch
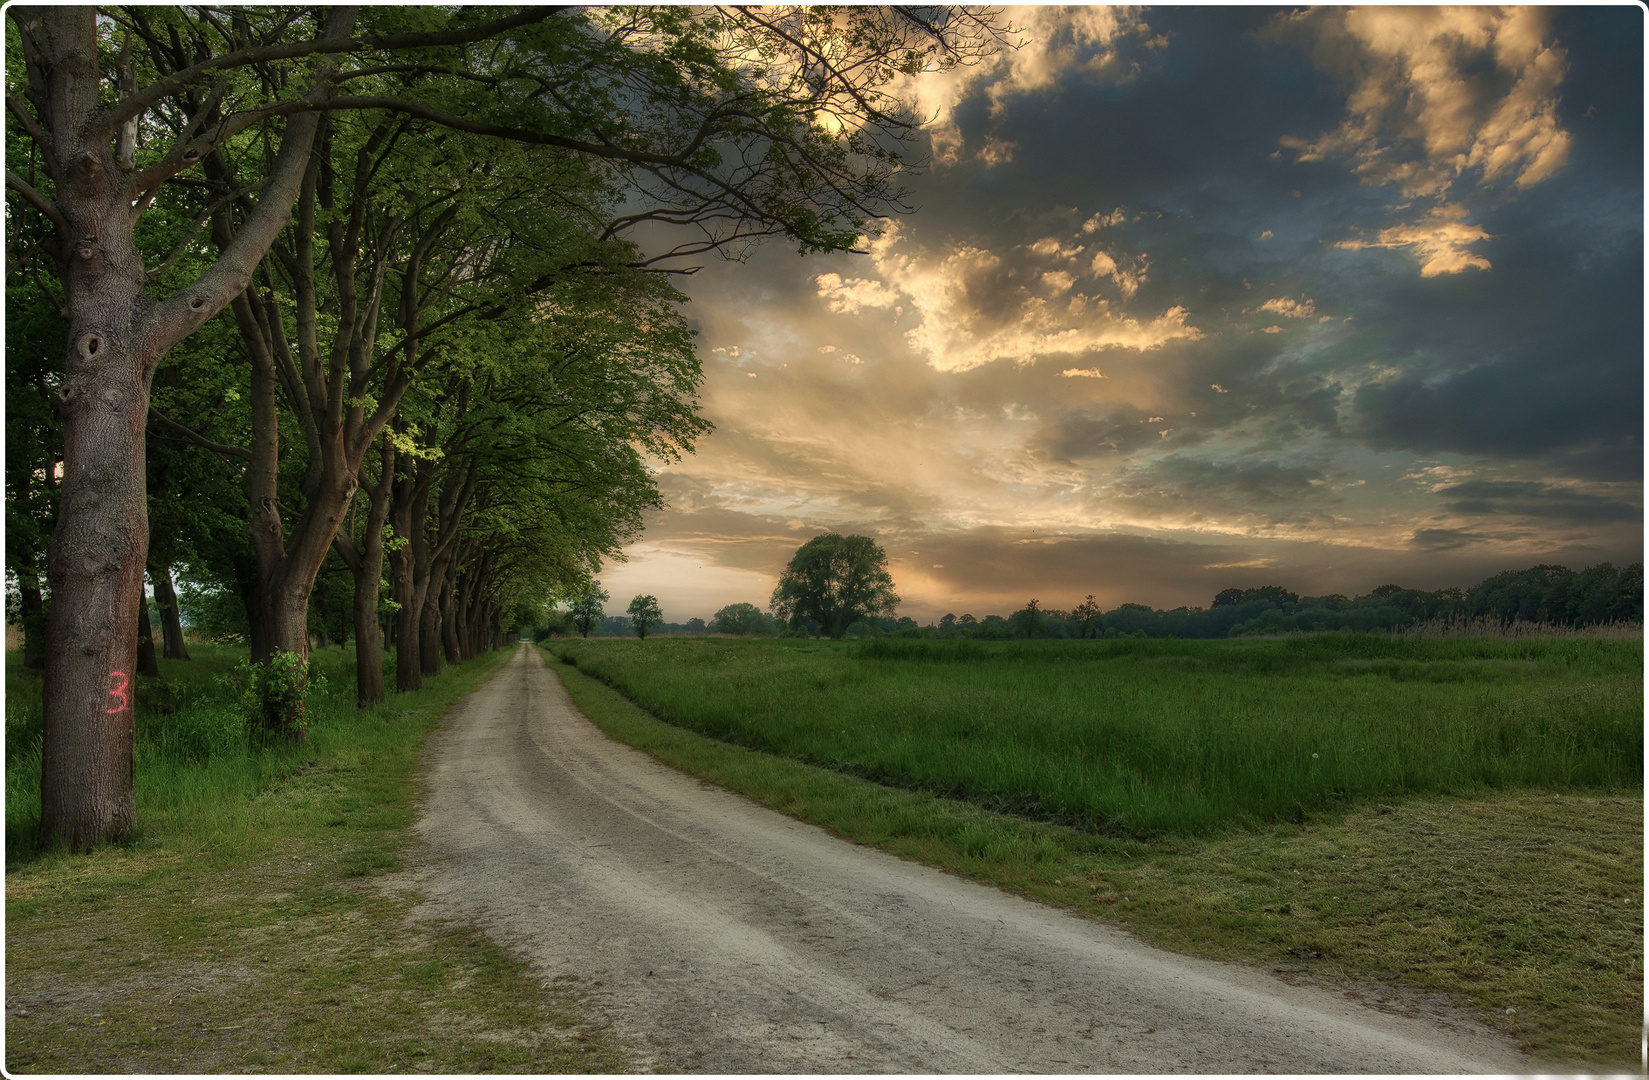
184, 311
264, 54
32, 129
181, 432
39, 202
183, 244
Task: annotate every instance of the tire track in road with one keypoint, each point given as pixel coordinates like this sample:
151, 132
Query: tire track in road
720, 936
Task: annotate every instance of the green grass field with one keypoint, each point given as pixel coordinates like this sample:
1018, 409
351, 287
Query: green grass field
1174, 737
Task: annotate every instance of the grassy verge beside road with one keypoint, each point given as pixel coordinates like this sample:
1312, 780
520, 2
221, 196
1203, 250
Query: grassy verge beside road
1523, 904
248, 926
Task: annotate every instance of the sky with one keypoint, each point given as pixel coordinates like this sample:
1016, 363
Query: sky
1195, 299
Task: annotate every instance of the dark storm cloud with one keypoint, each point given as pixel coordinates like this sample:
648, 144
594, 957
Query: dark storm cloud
1529, 499
1240, 481
1540, 356
1584, 417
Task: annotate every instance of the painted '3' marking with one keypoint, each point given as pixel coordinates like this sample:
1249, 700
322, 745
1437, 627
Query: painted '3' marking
119, 691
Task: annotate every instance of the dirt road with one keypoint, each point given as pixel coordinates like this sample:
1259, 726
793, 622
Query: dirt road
722, 937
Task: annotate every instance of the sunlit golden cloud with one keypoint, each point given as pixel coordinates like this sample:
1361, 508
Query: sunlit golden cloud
941, 294
1443, 102
1441, 240
1289, 307
1052, 41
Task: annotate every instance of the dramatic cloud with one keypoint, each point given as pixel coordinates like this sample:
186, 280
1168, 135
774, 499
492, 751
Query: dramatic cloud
1053, 42
971, 306
1531, 499
1128, 347
1440, 240
1443, 102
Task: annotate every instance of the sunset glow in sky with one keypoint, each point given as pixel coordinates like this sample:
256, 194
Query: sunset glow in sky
1200, 298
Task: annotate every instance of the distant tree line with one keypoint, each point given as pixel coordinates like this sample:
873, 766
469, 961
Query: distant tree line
1550, 594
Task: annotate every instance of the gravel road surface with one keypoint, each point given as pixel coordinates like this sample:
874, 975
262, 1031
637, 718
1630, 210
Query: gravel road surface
722, 937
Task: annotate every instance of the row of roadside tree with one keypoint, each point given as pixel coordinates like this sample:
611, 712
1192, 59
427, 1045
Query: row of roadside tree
381, 294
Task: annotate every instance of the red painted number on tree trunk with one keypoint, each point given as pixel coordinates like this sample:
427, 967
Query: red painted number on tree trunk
119, 692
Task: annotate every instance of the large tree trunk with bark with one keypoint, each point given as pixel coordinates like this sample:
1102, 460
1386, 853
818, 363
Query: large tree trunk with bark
95, 562
116, 337
173, 646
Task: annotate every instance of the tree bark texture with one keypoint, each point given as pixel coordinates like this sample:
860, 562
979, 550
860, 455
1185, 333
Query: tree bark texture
429, 629
409, 514
95, 561
449, 615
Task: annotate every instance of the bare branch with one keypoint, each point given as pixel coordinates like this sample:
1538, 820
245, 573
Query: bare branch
180, 314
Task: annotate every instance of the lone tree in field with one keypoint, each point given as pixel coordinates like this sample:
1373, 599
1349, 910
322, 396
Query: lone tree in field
644, 613
587, 608
835, 580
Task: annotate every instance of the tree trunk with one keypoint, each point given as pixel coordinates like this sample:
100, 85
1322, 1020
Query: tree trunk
116, 338
409, 673
369, 639
409, 514
171, 626
429, 631
95, 562
366, 564
449, 614
252, 599
409, 569
146, 662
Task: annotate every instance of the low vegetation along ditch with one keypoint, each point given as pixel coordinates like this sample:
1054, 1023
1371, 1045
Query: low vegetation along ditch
1407, 815
254, 923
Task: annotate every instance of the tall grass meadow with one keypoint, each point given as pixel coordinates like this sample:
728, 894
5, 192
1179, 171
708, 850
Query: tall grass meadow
199, 761
1163, 736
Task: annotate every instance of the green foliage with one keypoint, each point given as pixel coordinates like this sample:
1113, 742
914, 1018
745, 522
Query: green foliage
837, 581
211, 610
586, 610
644, 614
1164, 736
273, 696
1547, 596
743, 619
